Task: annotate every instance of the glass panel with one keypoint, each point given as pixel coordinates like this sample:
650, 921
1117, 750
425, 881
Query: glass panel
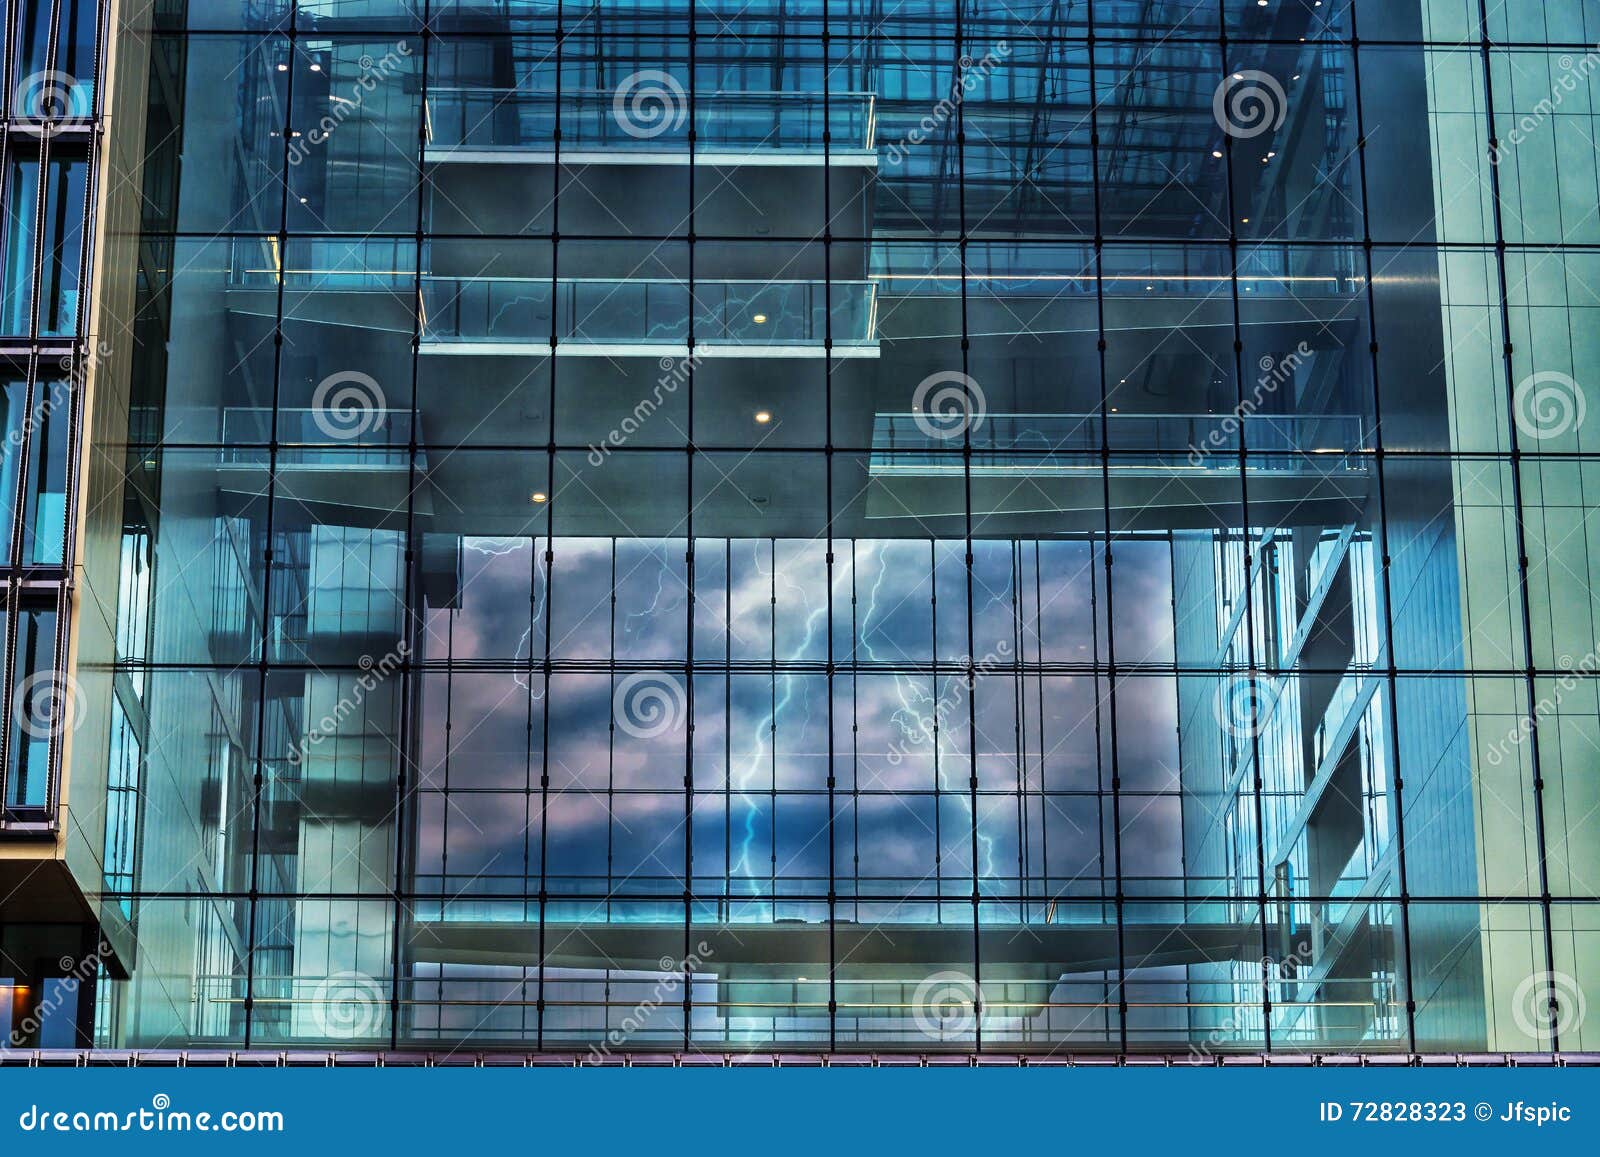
42, 698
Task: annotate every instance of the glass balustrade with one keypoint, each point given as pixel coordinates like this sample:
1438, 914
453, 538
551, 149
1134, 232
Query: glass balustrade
654, 120
647, 311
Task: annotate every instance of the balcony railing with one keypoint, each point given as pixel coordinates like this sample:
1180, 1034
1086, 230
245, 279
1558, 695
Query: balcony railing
743, 122
647, 311
344, 434
1291, 443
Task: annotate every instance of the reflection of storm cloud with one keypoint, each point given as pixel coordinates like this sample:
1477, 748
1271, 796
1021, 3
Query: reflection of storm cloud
903, 739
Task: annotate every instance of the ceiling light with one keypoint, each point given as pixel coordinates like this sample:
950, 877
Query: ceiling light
538, 497
763, 416
760, 319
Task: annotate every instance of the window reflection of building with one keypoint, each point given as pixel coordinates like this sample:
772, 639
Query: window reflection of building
1155, 700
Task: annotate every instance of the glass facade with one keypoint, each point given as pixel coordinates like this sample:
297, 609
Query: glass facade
48, 71
924, 525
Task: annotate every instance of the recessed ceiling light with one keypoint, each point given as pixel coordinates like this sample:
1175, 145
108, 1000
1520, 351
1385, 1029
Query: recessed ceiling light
537, 497
763, 416
760, 319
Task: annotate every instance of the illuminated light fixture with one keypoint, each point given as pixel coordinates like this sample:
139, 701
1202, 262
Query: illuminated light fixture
538, 497
1217, 153
763, 416
759, 319
316, 67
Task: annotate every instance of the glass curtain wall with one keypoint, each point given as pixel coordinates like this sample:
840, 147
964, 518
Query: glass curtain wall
939, 525
48, 105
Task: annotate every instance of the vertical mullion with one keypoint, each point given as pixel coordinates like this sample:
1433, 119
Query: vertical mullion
262, 641
1386, 643
1503, 301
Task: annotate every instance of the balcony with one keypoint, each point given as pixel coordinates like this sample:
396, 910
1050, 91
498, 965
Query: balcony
764, 163
467, 124
1165, 470
647, 317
